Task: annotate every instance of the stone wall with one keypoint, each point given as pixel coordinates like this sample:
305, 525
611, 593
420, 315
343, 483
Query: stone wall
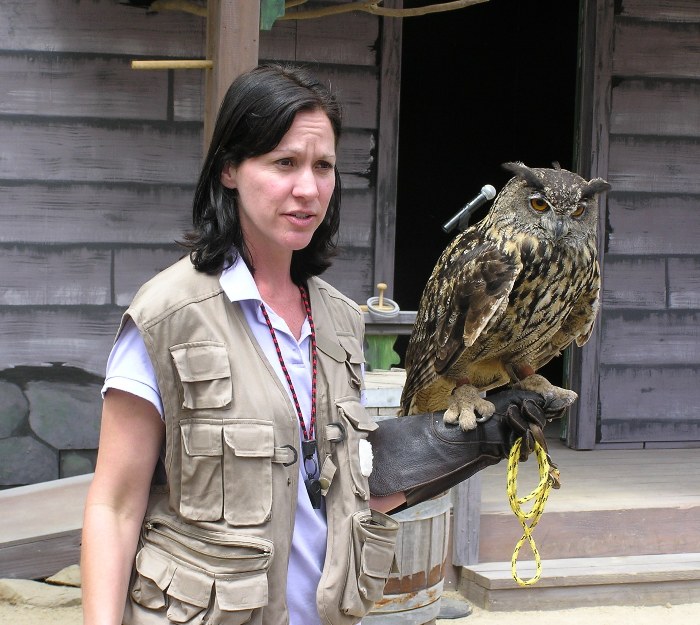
49, 423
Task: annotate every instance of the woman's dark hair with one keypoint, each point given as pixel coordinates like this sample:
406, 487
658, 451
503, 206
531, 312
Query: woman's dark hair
257, 111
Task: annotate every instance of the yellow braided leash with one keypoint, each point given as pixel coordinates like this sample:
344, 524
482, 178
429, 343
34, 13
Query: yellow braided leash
540, 495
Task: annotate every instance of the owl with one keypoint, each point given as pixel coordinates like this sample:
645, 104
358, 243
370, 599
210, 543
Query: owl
506, 296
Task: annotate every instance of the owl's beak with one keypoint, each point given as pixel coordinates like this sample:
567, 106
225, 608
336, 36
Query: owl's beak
561, 229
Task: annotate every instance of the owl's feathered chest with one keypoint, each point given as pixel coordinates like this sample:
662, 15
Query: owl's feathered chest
550, 280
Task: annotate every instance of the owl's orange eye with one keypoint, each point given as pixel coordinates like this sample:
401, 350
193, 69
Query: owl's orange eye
579, 211
538, 204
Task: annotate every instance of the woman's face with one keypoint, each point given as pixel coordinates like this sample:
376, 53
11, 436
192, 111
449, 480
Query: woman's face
283, 195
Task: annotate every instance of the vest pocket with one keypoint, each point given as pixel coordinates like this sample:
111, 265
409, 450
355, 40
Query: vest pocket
201, 490
358, 424
205, 374
250, 447
371, 560
354, 359
194, 575
227, 470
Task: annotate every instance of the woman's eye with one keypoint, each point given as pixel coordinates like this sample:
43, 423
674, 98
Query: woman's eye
324, 165
538, 204
285, 162
579, 211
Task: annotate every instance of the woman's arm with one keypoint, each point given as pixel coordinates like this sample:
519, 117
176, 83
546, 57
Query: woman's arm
130, 440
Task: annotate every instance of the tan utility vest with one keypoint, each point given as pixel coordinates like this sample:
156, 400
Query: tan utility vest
216, 538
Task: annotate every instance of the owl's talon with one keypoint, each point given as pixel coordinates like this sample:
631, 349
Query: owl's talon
465, 403
556, 398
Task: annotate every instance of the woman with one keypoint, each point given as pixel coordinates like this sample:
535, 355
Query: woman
229, 462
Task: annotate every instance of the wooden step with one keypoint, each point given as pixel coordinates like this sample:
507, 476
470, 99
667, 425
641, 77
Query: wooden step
577, 582
41, 527
611, 503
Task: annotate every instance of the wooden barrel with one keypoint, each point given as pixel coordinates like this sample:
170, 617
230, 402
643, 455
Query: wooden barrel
412, 596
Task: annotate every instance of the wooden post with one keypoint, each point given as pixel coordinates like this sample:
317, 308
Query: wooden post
233, 34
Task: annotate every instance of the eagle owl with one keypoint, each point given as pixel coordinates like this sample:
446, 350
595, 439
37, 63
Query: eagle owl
506, 296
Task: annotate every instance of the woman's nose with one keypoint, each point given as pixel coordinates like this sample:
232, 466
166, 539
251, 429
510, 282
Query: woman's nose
306, 184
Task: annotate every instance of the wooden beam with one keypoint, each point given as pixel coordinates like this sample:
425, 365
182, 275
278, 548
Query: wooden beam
233, 34
387, 149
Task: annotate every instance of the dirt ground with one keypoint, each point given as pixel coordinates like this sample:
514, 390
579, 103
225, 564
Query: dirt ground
684, 614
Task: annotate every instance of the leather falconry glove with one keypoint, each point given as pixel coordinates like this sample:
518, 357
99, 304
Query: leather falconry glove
422, 457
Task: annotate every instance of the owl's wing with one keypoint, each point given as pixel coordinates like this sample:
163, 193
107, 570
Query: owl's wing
578, 325
471, 281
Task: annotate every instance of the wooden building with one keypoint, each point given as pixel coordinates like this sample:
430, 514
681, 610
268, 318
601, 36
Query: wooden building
98, 164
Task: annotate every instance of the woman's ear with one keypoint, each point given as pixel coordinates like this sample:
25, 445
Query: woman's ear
228, 176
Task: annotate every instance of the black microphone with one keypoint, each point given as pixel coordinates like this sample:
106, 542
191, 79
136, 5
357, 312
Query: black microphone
462, 217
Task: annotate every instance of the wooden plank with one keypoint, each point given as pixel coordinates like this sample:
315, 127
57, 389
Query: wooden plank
592, 571
280, 43
352, 273
134, 266
659, 49
357, 88
99, 27
188, 95
466, 511
100, 152
627, 593
81, 337
69, 85
662, 10
657, 165
387, 152
40, 532
656, 107
649, 224
93, 213
645, 338
661, 394
634, 282
356, 218
348, 39
58, 276
592, 146
684, 282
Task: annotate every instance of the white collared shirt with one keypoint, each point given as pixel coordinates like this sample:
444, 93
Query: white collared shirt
129, 369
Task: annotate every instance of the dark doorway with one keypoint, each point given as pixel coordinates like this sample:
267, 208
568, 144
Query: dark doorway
480, 86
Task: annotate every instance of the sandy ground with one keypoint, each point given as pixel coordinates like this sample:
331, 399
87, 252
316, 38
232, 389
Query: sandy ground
685, 614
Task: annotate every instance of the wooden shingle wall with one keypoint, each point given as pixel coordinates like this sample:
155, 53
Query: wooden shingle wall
97, 169
650, 328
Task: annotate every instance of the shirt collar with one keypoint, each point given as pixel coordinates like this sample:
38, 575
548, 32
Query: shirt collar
237, 282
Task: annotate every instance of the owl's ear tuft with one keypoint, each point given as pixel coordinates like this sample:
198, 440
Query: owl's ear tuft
595, 186
523, 171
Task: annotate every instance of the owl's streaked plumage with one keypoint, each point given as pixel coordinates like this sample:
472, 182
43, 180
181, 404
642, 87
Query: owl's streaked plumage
509, 293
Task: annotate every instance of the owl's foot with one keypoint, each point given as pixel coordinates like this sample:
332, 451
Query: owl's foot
465, 402
556, 398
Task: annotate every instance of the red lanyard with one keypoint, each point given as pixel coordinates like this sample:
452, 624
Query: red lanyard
309, 442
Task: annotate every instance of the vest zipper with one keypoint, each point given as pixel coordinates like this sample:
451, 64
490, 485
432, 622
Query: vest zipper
261, 544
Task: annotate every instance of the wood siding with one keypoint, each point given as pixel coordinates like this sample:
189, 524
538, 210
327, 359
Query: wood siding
98, 161
649, 130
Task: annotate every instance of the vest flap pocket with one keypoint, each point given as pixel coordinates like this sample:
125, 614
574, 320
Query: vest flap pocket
330, 346
355, 412
371, 557
250, 440
353, 349
191, 586
242, 592
205, 374
154, 574
202, 439
205, 360
248, 456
